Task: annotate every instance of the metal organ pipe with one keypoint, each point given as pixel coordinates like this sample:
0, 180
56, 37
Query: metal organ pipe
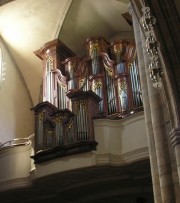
133, 86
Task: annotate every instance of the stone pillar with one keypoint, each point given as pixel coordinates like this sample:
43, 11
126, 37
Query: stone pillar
168, 28
167, 31
175, 141
160, 137
147, 113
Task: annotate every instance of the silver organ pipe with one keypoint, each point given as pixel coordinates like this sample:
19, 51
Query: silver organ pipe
62, 99
59, 131
40, 132
97, 88
135, 84
70, 131
48, 83
123, 94
138, 94
82, 124
49, 137
112, 106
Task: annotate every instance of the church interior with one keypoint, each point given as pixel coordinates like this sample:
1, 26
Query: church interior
89, 101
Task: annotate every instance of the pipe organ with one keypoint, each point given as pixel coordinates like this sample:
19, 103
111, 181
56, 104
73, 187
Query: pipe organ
105, 84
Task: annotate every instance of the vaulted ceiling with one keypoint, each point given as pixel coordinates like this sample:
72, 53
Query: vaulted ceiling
25, 25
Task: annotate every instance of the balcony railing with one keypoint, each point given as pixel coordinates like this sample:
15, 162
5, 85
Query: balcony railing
17, 142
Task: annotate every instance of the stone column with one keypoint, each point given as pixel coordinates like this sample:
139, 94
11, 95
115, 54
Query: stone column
167, 31
160, 137
175, 141
147, 112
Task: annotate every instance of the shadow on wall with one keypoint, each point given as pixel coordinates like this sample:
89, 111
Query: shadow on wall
15, 102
